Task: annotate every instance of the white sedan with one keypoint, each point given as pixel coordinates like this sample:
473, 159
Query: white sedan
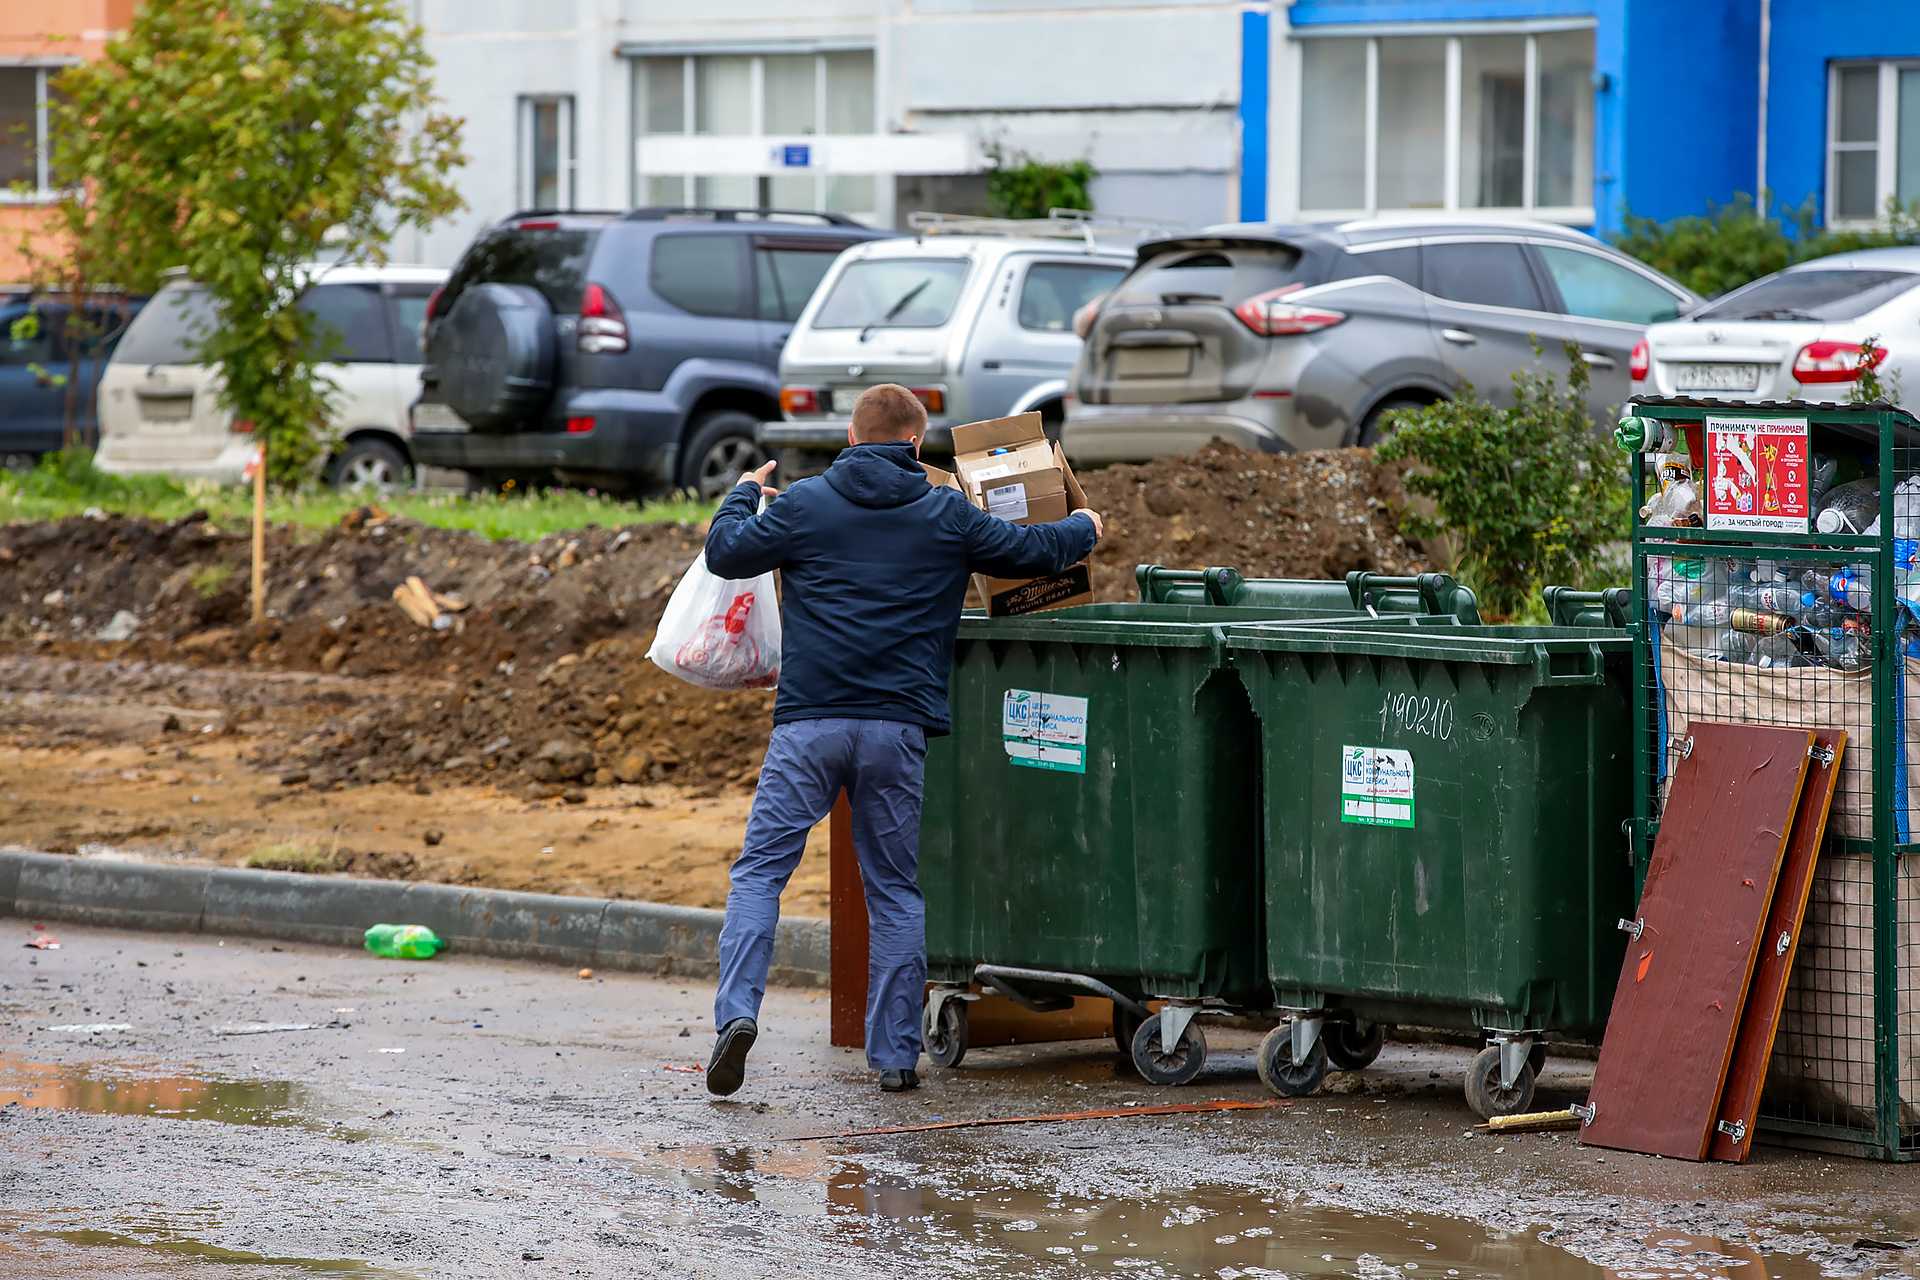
1798, 334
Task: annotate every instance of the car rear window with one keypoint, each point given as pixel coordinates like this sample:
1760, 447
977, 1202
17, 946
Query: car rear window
552, 261
167, 329
1229, 274
894, 293
1053, 291
349, 323
1815, 294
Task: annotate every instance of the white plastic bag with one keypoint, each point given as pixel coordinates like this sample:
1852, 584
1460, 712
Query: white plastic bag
720, 634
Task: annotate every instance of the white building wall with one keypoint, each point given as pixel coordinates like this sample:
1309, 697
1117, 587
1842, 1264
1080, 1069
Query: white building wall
1148, 90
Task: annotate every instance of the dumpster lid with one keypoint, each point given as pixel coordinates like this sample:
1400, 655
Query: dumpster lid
1908, 428
1499, 646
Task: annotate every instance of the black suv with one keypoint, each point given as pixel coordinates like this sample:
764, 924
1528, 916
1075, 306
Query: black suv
621, 350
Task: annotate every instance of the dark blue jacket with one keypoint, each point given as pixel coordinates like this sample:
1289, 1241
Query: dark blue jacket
874, 564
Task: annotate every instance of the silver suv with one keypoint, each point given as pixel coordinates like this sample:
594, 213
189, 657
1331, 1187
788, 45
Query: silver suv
1303, 337
975, 315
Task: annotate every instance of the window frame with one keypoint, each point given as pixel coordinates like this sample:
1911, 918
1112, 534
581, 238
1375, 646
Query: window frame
1886, 143
566, 164
1451, 185
44, 192
757, 106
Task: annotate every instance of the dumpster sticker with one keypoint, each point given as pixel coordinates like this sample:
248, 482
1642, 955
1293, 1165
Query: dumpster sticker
1757, 475
1376, 786
1044, 730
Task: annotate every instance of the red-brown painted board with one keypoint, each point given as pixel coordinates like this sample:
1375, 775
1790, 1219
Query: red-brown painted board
847, 940
1779, 942
1683, 983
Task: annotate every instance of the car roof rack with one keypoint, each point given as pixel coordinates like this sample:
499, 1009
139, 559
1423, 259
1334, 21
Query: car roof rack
1059, 224
667, 213
561, 213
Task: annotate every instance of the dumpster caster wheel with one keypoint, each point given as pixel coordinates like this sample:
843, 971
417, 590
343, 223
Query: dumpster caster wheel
1125, 1024
1352, 1046
947, 1038
1484, 1093
1156, 1066
1280, 1073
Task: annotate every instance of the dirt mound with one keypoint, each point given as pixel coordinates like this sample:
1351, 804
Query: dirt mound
1307, 515
541, 683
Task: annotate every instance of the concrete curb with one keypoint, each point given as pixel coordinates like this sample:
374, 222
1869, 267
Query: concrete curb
642, 937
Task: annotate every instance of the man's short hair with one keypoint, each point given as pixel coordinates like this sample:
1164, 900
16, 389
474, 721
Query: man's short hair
886, 413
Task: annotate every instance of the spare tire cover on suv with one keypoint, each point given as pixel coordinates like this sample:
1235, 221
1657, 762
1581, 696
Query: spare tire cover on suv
493, 356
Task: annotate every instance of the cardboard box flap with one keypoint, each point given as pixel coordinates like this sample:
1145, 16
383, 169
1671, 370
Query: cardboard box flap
978, 437
938, 479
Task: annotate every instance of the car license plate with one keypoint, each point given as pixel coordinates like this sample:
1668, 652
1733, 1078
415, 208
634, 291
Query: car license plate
1152, 362
842, 398
437, 417
1716, 376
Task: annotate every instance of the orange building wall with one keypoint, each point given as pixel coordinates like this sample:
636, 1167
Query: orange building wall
32, 30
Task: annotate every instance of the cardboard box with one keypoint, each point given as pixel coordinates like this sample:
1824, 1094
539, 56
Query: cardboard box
1008, 468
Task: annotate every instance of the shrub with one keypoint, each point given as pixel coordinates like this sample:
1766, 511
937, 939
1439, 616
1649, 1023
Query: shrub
1531, 495
1019, 186
1737, 242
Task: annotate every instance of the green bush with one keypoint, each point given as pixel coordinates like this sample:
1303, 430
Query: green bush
1734, 243
1019, 186
1530, 495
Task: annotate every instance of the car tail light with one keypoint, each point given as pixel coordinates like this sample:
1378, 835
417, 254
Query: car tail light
1640, 363
1270, 318
537, 224
1834, 362
243, 426
934, 398
579, 426
798, 400
603, 326
433, 302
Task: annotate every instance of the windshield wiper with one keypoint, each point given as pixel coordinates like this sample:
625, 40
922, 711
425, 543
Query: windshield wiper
900, 304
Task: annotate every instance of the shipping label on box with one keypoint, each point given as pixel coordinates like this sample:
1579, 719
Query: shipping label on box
1044, 730
1758, 475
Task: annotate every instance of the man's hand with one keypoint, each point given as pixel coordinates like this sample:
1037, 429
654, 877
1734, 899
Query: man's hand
1099, 525
760, 478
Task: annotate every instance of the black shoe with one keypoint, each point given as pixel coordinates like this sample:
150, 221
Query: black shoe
899, 1081
728, 1067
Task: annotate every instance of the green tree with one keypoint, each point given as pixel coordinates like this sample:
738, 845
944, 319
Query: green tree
1019, 186
1532, 495
239, 139
1737, 242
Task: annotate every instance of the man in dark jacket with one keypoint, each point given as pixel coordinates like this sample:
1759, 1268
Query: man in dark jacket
874, 564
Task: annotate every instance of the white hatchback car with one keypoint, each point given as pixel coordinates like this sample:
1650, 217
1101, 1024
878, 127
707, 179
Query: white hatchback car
160, 411
1794, 335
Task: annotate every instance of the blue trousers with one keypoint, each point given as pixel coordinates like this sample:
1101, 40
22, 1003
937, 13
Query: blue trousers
880, 764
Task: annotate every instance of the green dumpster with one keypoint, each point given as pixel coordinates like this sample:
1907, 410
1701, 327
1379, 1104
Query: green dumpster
1432, 594
1443, 840
1092, 826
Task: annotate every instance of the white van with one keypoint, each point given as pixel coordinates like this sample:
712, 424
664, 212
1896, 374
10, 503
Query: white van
160, 413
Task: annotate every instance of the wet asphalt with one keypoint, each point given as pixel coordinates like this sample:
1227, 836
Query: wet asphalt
175, 1106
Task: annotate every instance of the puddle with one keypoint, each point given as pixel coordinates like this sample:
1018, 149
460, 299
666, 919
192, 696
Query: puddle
1221, 1233
145, 1247
126, 1091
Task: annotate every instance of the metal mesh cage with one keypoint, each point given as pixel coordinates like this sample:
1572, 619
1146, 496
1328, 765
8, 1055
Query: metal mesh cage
1776, 582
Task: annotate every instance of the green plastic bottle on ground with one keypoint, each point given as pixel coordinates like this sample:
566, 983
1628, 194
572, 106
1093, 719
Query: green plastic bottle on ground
403, 941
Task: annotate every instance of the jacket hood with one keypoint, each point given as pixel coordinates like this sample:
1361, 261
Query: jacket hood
879, 475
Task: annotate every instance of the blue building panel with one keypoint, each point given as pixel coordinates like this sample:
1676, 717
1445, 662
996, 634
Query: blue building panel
1256, 77
1807, 37
1690, 108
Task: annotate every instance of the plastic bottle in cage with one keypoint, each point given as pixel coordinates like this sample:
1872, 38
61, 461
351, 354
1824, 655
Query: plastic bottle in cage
1820, 614
1777, 650
1845, 648
1711, 613
1757, 622
1766, 595
1636, 434
1851, 586
1691, 582
1849, 508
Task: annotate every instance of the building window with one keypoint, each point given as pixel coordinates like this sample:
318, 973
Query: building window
546, 153
1873, 139
780, 95
1493, 121
24, 145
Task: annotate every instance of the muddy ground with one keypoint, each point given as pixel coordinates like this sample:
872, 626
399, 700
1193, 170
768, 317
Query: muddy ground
466, 1117
140, 710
